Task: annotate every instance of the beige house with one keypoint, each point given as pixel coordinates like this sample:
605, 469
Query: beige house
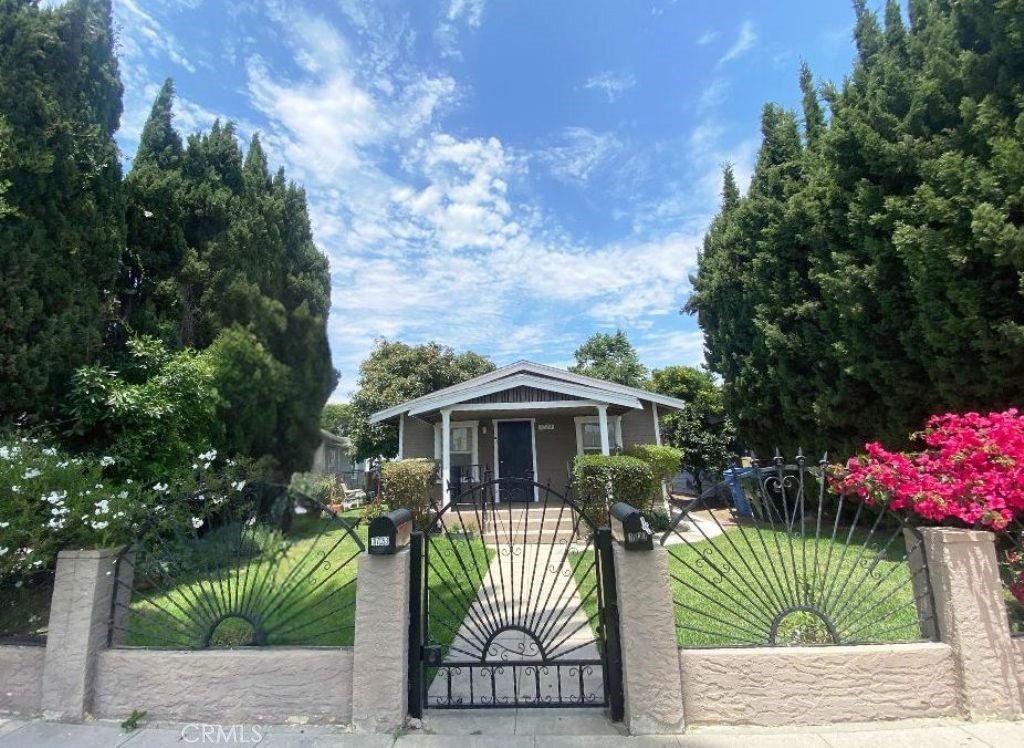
524, 420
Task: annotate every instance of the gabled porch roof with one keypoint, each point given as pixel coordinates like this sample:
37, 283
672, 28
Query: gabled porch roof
569, 389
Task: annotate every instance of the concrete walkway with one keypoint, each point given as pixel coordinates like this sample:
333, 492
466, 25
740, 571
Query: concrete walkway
528, 588
524, 728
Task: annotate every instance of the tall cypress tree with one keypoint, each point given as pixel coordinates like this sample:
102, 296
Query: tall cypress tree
150, 290
63, 228
229, 266
894, 272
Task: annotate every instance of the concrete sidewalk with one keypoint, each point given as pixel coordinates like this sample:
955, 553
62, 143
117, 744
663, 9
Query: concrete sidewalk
573, 729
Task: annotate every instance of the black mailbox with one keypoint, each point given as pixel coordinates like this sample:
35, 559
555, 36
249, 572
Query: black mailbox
631, 528
390, 532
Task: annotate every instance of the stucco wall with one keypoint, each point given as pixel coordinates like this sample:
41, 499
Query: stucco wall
237, 685
21, 678
818, 685
1018, 648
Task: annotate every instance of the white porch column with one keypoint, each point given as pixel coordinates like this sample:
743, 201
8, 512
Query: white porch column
657, 440
446, 455
401, 435
602, 418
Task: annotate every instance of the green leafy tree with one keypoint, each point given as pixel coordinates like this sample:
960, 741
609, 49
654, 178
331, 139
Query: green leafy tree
395, 372
62, 224
250, 386
153, 414
701, 430
610, 357
338, 418
150, 289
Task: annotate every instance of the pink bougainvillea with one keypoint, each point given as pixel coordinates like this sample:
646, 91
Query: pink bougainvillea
970, 471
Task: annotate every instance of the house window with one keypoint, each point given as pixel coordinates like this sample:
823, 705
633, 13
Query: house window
588, 434
462, 448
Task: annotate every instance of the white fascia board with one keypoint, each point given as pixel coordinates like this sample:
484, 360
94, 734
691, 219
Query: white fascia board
548, 373
601, 384
526, 380
388, 413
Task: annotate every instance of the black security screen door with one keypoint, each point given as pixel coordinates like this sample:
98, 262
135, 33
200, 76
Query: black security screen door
515, 460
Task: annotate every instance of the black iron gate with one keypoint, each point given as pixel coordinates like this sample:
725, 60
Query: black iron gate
513, 605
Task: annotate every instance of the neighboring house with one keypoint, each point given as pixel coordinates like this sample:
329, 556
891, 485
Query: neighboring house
524, 420
332, 457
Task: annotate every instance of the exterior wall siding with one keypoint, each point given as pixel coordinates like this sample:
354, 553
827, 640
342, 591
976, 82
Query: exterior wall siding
419, 439
523, 394
248, 684
555, 449
21, 679
774, 686
638, 426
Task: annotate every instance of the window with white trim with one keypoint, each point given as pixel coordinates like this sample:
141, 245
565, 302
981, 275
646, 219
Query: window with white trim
588, 434
462, 447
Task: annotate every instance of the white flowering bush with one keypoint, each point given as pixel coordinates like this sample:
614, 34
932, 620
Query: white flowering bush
50, 500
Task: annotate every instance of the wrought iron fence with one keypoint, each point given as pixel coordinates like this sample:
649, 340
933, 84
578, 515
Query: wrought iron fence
510, 603
25, 605
1010, 554
268, 568
773, 557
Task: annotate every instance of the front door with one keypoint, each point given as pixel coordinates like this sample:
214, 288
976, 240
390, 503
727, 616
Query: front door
515, 460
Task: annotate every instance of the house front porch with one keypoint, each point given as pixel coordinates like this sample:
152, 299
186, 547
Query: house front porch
526, 422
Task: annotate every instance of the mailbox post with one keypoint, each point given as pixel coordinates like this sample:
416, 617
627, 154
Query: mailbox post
389, 533
380, 659
630, 528
652, 687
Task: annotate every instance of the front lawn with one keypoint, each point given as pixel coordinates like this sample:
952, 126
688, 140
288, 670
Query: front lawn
298, 587
730, 589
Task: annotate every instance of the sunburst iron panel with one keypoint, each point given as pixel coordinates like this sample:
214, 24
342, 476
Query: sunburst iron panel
266, 568
774, 557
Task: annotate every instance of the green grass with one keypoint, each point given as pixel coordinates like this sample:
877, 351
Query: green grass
729, 593
299, 588
456, 569
586, 580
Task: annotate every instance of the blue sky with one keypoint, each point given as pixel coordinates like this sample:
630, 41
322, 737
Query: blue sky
502, 176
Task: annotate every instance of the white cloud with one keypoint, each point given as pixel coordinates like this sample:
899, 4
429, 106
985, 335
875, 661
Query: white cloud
468, 13
611, 84
713, 94
578, 154
318, 126
675, 347
472, 11
142, 34
745, 40
706, 38
319, 46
